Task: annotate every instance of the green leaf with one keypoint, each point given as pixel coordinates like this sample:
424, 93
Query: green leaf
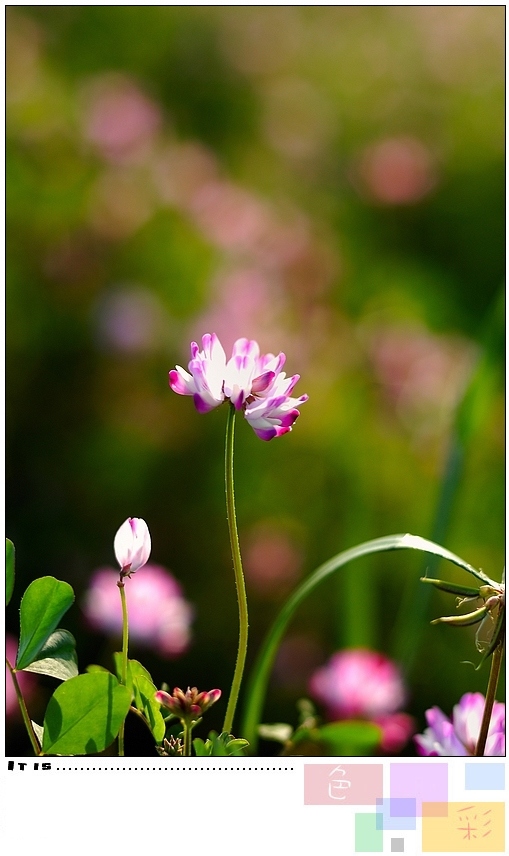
57, 657
136, 670
42, 607
93, 667
117, 659
201, 749
84, 715
142, 688
351, 737
220, 745
237, 746
9, 570
144, 691
260, 674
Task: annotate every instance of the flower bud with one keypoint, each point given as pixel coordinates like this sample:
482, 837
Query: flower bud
189, 705
132, 545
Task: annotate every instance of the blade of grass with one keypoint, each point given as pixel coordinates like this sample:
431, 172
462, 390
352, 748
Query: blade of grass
260, 674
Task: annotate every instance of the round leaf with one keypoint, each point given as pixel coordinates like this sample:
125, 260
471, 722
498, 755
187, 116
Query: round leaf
84, 715
57, 657
42, 607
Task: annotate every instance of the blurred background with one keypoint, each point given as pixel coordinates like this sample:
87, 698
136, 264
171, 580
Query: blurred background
328, 180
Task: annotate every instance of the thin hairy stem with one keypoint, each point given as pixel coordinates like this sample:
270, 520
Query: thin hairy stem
239, 574
24, 712
125, 638
496, 663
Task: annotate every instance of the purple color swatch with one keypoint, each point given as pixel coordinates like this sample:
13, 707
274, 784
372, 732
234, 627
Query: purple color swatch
425, 783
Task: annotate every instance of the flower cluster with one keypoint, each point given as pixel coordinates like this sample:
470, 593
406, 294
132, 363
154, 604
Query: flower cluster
253, 382
459, 736
189, 705
362, 684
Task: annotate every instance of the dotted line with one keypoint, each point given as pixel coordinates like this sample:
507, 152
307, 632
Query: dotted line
176, 769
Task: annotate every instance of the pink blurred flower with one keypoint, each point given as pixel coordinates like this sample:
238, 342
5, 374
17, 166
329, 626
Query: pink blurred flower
246, 299
250, 380
459, 737
358, 683
120, 120
26, 681
362, 684
397, 171
397, 729
132, 545
159, 615
422, 374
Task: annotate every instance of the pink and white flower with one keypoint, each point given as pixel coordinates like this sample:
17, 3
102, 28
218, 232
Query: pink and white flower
246, 372
205, 378
251, 381
132, 545
458, 737
273, 412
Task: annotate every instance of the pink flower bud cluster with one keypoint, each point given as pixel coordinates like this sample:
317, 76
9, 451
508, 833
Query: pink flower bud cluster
188, 705
253, 382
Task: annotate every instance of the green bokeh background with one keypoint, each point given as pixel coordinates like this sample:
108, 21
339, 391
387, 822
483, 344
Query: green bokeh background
363, 148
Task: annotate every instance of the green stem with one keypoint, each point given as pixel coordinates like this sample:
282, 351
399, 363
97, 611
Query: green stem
188, 730
24, 712
239, 575
125, 637
496, 663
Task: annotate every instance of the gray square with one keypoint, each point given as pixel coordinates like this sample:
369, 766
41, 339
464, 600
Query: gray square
397, 845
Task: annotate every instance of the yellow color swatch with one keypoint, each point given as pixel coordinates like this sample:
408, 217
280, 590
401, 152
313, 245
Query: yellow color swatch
468, 827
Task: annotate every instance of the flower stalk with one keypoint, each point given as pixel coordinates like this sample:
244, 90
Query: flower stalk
496, 664
125, 642
24, 712
239, 574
